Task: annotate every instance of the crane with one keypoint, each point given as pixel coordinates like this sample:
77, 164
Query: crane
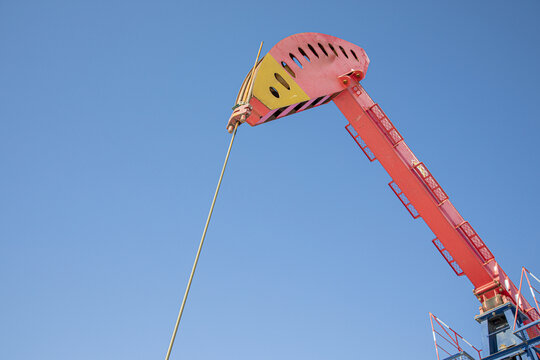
308, 70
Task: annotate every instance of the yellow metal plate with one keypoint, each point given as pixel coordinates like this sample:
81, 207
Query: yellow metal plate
267, 85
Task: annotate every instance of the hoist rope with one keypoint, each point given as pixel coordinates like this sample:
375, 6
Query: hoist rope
249, 94
200, 246
250, 90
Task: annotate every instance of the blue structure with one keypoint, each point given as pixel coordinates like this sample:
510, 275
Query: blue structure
499, 342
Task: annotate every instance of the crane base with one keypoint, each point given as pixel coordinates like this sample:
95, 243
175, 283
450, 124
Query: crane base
501, 342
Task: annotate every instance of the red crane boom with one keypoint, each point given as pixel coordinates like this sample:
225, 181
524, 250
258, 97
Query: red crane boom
310, 69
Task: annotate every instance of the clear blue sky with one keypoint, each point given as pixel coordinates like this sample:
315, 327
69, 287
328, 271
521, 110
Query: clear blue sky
112, 135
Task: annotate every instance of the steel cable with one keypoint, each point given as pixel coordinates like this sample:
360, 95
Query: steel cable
200, 246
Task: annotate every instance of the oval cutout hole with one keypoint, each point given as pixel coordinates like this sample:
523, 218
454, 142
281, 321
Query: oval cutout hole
303, 53
313, 50
354, 54
293, 58
333, 50
282, 81
343, 51
289, 70
323, 49
274, 92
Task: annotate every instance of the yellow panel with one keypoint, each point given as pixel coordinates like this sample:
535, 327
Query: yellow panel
266, 78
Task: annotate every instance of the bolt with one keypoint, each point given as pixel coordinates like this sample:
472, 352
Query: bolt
358, 75
345, 81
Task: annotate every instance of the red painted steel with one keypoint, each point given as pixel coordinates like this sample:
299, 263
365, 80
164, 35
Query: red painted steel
319, 64
403, 198
433, 186
398, 164
385, 124
475, 240
448, 257
455, 236
336, 59
361, 144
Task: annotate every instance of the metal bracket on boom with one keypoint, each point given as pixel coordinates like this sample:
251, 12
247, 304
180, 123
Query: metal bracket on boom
404, 200
448, 257
350, 78
358, 140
